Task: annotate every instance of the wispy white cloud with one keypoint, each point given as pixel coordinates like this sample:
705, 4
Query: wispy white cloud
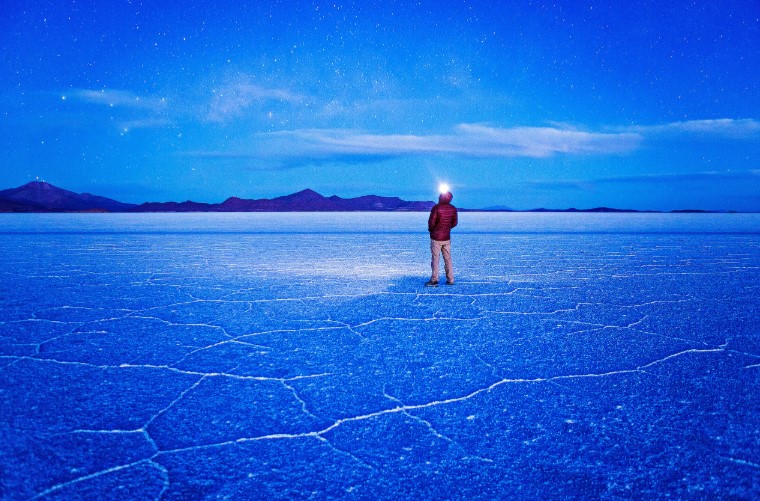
152, 123
234, 99
544, 141
467, 140
303, 146
724, 127
117, 99
671, 179
309, 146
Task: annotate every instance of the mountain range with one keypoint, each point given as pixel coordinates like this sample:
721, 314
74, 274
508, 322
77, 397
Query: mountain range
39, 196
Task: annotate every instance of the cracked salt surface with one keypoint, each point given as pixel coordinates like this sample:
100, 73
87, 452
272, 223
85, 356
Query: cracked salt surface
202, 356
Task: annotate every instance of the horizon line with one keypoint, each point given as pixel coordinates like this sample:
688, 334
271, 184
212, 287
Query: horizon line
496, 208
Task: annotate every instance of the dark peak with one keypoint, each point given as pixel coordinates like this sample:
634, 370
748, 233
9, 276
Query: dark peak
37, 190
308, 192
43, 195
238, 200
37, 184
40, 186
233, 199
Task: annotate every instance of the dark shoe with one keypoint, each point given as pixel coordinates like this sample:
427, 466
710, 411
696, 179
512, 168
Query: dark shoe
448, 282
430, 283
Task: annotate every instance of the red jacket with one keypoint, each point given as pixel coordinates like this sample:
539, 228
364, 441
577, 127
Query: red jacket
443, 217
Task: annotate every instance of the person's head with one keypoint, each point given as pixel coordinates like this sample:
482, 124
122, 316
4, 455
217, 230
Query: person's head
445, 198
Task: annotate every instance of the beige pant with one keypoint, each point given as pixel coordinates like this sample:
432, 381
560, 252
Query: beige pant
438, 247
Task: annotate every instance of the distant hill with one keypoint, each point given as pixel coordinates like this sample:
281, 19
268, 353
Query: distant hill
39, 196
188, 206
595, 209
373, 202
306, 200
497, 208
303, 201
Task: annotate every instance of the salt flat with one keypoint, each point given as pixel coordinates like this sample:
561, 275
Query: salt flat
284, 356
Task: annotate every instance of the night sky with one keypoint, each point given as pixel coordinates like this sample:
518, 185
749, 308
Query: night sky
645, 105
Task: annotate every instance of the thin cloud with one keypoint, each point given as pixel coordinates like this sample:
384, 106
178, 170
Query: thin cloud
313, 146
746, 176
117, 99
562, 185
157, 123
467, 140
233, 100
545, 141
724, 127
730, 175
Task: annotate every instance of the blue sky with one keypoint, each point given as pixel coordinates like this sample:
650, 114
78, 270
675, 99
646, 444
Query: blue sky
646, 105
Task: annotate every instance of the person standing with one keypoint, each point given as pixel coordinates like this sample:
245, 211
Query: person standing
443, 217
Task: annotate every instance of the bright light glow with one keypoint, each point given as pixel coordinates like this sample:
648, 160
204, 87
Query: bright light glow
443, 188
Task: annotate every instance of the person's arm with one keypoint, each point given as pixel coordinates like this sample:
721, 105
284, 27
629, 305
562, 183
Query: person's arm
455, 221
433, 219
